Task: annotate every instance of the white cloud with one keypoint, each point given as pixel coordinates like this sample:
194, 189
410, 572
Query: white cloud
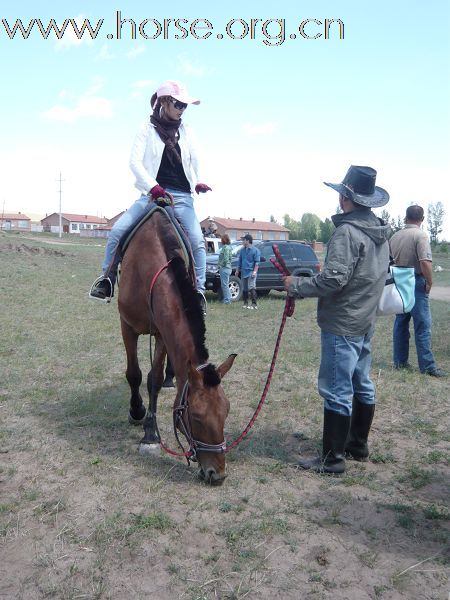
143, 84
69, 39
259, 128
189, 67
142, 88
134, 52
91, 186
88, 105
105, 53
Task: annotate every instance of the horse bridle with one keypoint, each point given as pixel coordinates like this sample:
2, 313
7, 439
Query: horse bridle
182, 422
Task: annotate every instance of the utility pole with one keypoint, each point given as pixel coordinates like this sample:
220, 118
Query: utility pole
60, 194
3, 215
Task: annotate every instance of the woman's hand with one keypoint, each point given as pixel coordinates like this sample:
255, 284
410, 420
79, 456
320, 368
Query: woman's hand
157, 192
202, 188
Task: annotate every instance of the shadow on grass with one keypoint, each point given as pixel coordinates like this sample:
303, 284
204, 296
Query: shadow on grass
96, 423
279, 445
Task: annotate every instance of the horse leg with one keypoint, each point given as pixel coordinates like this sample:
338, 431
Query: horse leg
154, 383
133, 374
170, 374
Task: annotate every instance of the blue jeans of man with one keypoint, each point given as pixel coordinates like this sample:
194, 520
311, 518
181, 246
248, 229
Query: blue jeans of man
225, 273
345, 371
248, 283
421, 316
184, 212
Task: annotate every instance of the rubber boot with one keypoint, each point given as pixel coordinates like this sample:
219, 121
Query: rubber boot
335, 432
361, 421
245, 299
168, 381
253, 297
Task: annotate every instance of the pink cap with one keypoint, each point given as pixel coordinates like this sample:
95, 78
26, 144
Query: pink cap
177, 90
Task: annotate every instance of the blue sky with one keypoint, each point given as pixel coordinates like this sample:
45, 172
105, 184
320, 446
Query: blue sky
274, 122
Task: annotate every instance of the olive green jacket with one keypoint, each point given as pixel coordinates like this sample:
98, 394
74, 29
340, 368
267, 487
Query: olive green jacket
352, 279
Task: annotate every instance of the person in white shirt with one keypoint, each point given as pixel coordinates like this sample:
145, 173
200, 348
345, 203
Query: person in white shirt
164, 160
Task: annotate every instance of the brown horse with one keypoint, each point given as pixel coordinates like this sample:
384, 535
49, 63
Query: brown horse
157, 296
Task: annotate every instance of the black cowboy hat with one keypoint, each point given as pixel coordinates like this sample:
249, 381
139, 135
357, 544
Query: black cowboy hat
359, 186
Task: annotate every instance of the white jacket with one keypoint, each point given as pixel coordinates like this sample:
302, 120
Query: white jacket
147, 152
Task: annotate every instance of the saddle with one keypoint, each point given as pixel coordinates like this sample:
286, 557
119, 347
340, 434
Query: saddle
167, 211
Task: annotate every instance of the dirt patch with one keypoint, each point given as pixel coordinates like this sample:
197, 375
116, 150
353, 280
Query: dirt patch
440, 293
33, 250
83, 515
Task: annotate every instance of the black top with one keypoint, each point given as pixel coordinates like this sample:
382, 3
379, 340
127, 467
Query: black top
172, 176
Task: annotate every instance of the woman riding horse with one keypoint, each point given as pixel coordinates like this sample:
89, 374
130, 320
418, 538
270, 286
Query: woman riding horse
163, 159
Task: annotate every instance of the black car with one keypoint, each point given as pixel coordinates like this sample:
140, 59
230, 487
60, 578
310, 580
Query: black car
300, 259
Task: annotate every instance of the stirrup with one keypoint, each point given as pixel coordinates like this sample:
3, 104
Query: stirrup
106, 299
203, 302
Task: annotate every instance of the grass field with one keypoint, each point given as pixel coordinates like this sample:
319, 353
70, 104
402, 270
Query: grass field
82, 515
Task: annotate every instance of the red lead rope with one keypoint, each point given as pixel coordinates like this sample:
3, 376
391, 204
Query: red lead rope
288, 312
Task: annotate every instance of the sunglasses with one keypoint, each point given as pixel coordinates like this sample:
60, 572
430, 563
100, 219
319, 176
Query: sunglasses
178, 105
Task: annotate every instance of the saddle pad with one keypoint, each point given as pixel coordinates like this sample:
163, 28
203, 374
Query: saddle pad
180, 234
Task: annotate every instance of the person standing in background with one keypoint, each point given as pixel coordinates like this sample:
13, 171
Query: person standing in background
410, 247
224, 264
249, 258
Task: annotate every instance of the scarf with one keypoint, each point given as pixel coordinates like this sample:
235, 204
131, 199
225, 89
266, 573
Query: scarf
167, 131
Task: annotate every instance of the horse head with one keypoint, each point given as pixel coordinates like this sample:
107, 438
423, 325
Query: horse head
208, 410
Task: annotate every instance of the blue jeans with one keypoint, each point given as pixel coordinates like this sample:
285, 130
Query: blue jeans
225, 273
344, 371
421, 316
248, 283
184, 212
129, 217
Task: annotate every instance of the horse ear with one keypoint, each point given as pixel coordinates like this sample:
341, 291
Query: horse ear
195, 378
226, 366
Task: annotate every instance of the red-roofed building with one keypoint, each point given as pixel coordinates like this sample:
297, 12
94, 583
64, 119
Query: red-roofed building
102, 230
72, 223
15, 222
236, 228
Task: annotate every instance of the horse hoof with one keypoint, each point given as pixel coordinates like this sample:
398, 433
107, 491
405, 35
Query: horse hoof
168, 383
133, 421
149, 449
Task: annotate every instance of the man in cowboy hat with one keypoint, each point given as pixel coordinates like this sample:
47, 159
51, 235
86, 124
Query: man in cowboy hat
348, 289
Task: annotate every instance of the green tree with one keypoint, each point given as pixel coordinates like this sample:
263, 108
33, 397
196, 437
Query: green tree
435, 220
326, 230
310, 227
386, 216
396, 225
293, 226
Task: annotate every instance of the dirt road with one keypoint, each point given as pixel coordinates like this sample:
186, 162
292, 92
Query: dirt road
440, 293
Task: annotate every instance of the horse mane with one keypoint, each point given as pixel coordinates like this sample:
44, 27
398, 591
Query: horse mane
191, 306
211, 377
